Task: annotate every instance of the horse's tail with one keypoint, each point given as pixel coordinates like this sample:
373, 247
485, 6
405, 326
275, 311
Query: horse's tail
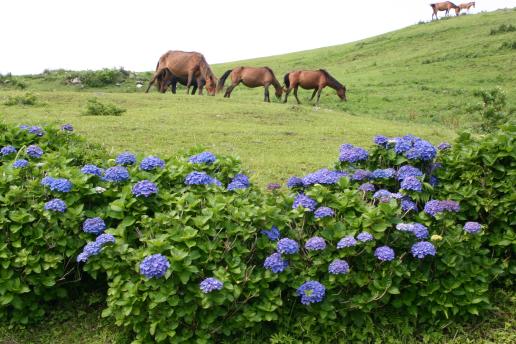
222, 80
286, 80
433, 6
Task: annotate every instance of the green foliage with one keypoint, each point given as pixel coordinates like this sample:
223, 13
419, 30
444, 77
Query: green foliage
508, 45
494, 110
27, 99
100, 78
503, 28
94, 107
7, 81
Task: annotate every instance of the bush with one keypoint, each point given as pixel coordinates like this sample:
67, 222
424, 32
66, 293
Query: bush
503, 28
28, 99
493, 110
100, 78
508, 45
96, 108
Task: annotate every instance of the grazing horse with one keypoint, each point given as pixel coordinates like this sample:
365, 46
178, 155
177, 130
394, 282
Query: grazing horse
251, 77
467, 6
444, 6
166, 79
312, 80
188, 66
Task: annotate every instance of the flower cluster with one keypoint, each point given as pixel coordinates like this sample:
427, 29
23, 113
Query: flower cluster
200, 178
34, 151
472, 227
311, 292
144, 188
116, 174
67, 127
366, 187
38, 131
154, 266
422, 249
419, 230
381, 140
348, 241
384, 253
294, 182
94, 225
92, 169
383, 174
412, 184
352, 154
273, 234
315, 244
59, 184
443, 146
421, 150
361, 175
240, 181
210, 284
385, 196
324, 212
408, 171
56, 205
305, 202
151, 163
338, 267
203, 158
273, 186
365, 237
323, 176
407, 204
20, 163
435, 207
287, 246
93, 248
275, 263
7, 150
126, 158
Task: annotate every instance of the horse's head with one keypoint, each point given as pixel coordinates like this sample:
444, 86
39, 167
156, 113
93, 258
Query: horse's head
211, 85
341, 92
457, 10
279, 92
473, 4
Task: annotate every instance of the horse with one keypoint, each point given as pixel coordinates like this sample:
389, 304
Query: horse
444, 6
467, 6
186, 65
312, 80
251, 77
166, 79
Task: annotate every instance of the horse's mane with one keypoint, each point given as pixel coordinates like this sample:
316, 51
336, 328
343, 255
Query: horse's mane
331, 80
270, 70
205, 67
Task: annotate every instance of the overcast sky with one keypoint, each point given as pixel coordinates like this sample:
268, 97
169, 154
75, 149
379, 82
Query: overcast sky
93, 34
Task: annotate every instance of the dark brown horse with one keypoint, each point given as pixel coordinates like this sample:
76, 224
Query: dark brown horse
444, 6
251, 77
467, 6
166, 79
188, 66
312, 80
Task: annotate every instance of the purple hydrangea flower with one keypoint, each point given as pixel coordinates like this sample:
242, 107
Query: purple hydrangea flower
422, 150
352, 154
151, 163
323, 176
7, 150
126, 158
144, 188
273, 234
338, 267
419, 230
403, 144
347, 241
200, 178
365, 237
311, 292
94, 225
315, 244
92, 248
56, 205
38, 131
23, 127
273, 186
443, 146
434, 207
366, 187
361, 175
323, 212
422, 249
104, 239
240, 181
34, 151
412, 184
408, 171
59, 184
20, 163
82, 257
305, 202
46, 181
92, 169
67, 127
407, 204
472, 227
433, 181
294, 182
116, 174
210, 284
203, 158
383, 174
154, 266
385, 196
384, 253
287, 246
381, 140
275, 263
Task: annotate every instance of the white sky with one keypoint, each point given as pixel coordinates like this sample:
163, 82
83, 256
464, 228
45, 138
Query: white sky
93, 34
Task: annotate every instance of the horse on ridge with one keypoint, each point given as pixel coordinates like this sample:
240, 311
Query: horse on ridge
312, 80
251, 77
444, 6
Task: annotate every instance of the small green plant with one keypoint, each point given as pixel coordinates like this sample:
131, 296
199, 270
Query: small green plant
26, 99
508, 45
494, 110
96, 108
503, 29
100, 78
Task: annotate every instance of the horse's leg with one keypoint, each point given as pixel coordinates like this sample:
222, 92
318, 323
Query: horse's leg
174, 87
266, 97
229, 90
199, 81
194, 89
318, 95
152, 81
287, 93
189, 81
295, 94
313, 94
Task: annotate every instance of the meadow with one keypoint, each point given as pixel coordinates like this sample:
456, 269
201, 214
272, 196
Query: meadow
419, 80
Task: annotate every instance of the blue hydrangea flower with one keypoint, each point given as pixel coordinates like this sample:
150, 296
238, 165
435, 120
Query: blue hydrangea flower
381, 140
384, 253
82, 257
56, 205
126, 158
348, 241
287, 246
338, 267
294, 182
104, 239
144, 188
20, 163
154, 266
273, 234
210, 284
275, 263
408, 171
419, 230
366, 187
67, 127
435, 207
385, 195
38, 131
315, 244
23, 127
422, 150
7, 150
305, 202
92, 169
323, 212
383, 174
92, 248
46, 181
422, 249
365, 237
361, 175
311, 292
203, 158
443, 146
116, 174
407, 204
323, 176
434, 181
352, 154
94, 225
34, 151
402, 144
240, 181
151, 163
200, 178
412, 184
59, 184
472, 227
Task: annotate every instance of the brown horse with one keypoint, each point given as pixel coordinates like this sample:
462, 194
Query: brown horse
251, 77
467, 6
312, 80
444, 6
186, 65
166, 79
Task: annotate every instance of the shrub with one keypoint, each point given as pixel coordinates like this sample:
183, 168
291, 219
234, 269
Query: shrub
26, 99
96, 108
494, 110
100, 78
503, 28
508, 45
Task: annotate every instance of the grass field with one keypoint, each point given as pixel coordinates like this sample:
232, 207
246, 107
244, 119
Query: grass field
418, 80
